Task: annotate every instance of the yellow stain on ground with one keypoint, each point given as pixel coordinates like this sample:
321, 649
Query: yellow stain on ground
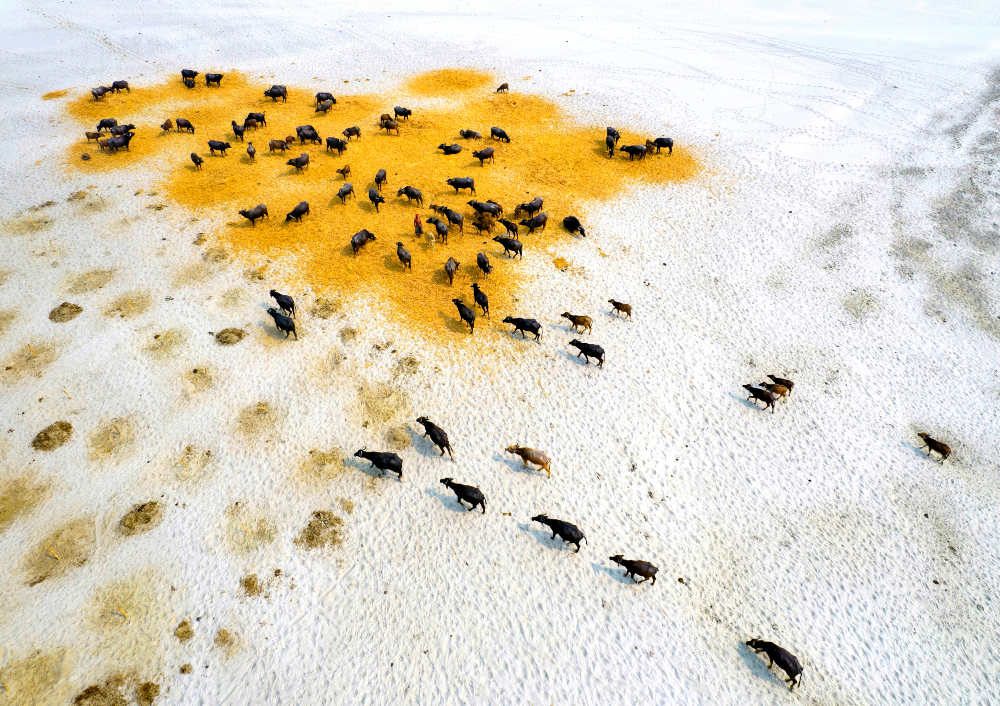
448, 82
55, 94
549, 155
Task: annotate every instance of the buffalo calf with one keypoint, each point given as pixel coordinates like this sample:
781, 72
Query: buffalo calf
572, 224
284, 302
483, 156
534, 222
531, 207
569, 533
634, 568
404, 256
667, 142
584, 322
588, 351
484, 263
764, 396
283, 323
346, 190
361, 239
467, 315
296, 213
788, 662
299, 162
620, 307
217, 146
462, 183
437, 436
411, 194
481, 300
259, 211
935, 445
450, 268
782, 381
335, 143
525, 326
468, 493
510, 245
532, 455
634, 151
383, 461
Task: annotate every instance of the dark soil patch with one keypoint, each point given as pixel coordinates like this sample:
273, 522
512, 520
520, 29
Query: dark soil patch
52, 436
141, 518
183, 631
251, 585
20, 496
224, 638
65, 312
7, 316
147, 693
325, 308
108, 694
215, 255
230, 336
323, 530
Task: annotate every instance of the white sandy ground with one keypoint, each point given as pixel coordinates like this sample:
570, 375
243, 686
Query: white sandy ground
845, 234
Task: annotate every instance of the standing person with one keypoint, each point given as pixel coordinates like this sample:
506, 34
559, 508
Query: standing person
418, 228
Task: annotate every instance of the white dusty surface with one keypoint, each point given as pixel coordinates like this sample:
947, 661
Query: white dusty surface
845, 234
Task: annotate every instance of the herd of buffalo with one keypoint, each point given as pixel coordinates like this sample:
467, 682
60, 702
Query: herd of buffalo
487, 215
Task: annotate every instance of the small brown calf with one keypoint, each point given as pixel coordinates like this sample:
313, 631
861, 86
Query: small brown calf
345, 171
619, 306
776, 390
584, 322
533, 455
935, 445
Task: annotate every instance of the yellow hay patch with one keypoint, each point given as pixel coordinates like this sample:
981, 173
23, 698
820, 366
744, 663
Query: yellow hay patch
549, 156
447, 82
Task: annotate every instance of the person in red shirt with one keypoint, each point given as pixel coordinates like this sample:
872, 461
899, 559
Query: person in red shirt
418, 227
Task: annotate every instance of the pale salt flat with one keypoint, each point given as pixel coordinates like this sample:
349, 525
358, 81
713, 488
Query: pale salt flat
844, 234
